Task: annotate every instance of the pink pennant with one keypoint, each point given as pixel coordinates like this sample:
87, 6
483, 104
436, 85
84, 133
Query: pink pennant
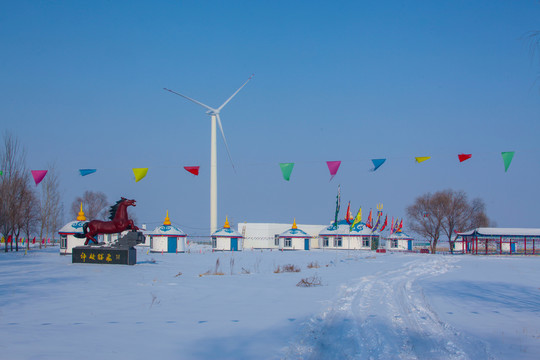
38, 175
333, 166
192, 169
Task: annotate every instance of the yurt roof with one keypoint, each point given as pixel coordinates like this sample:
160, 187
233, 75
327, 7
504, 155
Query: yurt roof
400, 236
167, 230
295, 233
343, 228
73, 227
227, 232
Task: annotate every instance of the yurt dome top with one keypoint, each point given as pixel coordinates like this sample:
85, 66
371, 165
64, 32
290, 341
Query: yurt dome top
72, 227
226, 231
400, 235
76, 226
167, 229
294, 231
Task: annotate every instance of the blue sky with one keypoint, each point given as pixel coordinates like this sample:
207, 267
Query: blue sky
351, 81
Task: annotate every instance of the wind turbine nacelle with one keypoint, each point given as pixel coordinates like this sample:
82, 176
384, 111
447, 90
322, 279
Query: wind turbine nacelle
212, 112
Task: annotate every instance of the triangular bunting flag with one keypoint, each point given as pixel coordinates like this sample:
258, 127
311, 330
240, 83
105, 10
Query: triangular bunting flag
286, 170
38, 175
420, 159
507, 158
192, 169
85, 172
463, 157
139, 173
377, 163
1, 173
333, 166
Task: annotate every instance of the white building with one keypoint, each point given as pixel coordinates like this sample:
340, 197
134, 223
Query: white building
227, 239
341, 237
294, 239
399, 241
167, 238
68, 238
266, 235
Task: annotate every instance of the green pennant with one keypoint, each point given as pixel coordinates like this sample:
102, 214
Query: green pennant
507, 158
286, 169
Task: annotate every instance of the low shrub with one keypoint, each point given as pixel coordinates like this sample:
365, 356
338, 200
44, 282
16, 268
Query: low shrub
310, 281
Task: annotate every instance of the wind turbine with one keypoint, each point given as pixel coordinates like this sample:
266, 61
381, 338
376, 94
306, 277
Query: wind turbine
214, 114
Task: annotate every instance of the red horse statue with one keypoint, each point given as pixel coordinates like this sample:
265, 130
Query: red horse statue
119, 222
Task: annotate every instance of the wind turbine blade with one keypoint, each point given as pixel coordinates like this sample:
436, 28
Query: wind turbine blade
225, 141
190, 99
236, 92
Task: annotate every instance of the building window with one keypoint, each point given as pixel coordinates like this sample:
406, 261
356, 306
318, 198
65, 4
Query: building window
325, 242
151, 241
214, 242
338, 242
276, 240
288, 242
365, 241
394, 243
63, 241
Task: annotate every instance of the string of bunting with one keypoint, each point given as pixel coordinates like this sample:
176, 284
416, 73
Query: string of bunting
286, 168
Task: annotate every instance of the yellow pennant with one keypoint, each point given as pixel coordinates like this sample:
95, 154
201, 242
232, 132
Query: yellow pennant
139, 173
422, 158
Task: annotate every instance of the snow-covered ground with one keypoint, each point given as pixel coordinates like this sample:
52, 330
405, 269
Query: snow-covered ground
370, 306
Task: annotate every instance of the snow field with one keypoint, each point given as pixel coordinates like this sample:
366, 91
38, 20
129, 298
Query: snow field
380, 306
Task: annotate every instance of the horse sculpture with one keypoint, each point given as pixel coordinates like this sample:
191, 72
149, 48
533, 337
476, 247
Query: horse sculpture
119, 222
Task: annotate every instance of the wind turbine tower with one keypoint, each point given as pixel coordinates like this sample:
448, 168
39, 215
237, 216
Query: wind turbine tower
214, 115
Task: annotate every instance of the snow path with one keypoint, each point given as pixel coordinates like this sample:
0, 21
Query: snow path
385, 316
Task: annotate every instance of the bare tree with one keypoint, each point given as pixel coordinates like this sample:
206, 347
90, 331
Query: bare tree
12, 163
30, 213
445, 212
51, 205
95, 205
426, 217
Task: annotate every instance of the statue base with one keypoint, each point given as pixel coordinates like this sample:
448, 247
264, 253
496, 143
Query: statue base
104, 255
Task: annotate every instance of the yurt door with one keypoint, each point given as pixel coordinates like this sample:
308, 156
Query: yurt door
306, 244
409, 244
234, 244
171, 244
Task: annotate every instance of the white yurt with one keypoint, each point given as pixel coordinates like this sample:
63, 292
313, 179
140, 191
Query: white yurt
67, 234
399, 241
227, 239
167, 238
342, 237
294, 239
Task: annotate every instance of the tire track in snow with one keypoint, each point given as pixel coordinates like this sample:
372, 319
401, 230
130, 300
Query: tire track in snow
385, 316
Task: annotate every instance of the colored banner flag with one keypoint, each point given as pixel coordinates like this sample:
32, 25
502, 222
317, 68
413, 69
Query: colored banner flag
338, 205
1, 173
369, 222
357, 219
333, 167
192, 169
385, 223
378, 222
392, 226
85, 172
420, 159
348, 215
139, 173
463, 157
377, 163
38, 175
507, 158
400, 226
34, 240
286, 170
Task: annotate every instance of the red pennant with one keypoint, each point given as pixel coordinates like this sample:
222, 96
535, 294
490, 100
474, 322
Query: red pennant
463, 157
38, 175
192, 169
34, 240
